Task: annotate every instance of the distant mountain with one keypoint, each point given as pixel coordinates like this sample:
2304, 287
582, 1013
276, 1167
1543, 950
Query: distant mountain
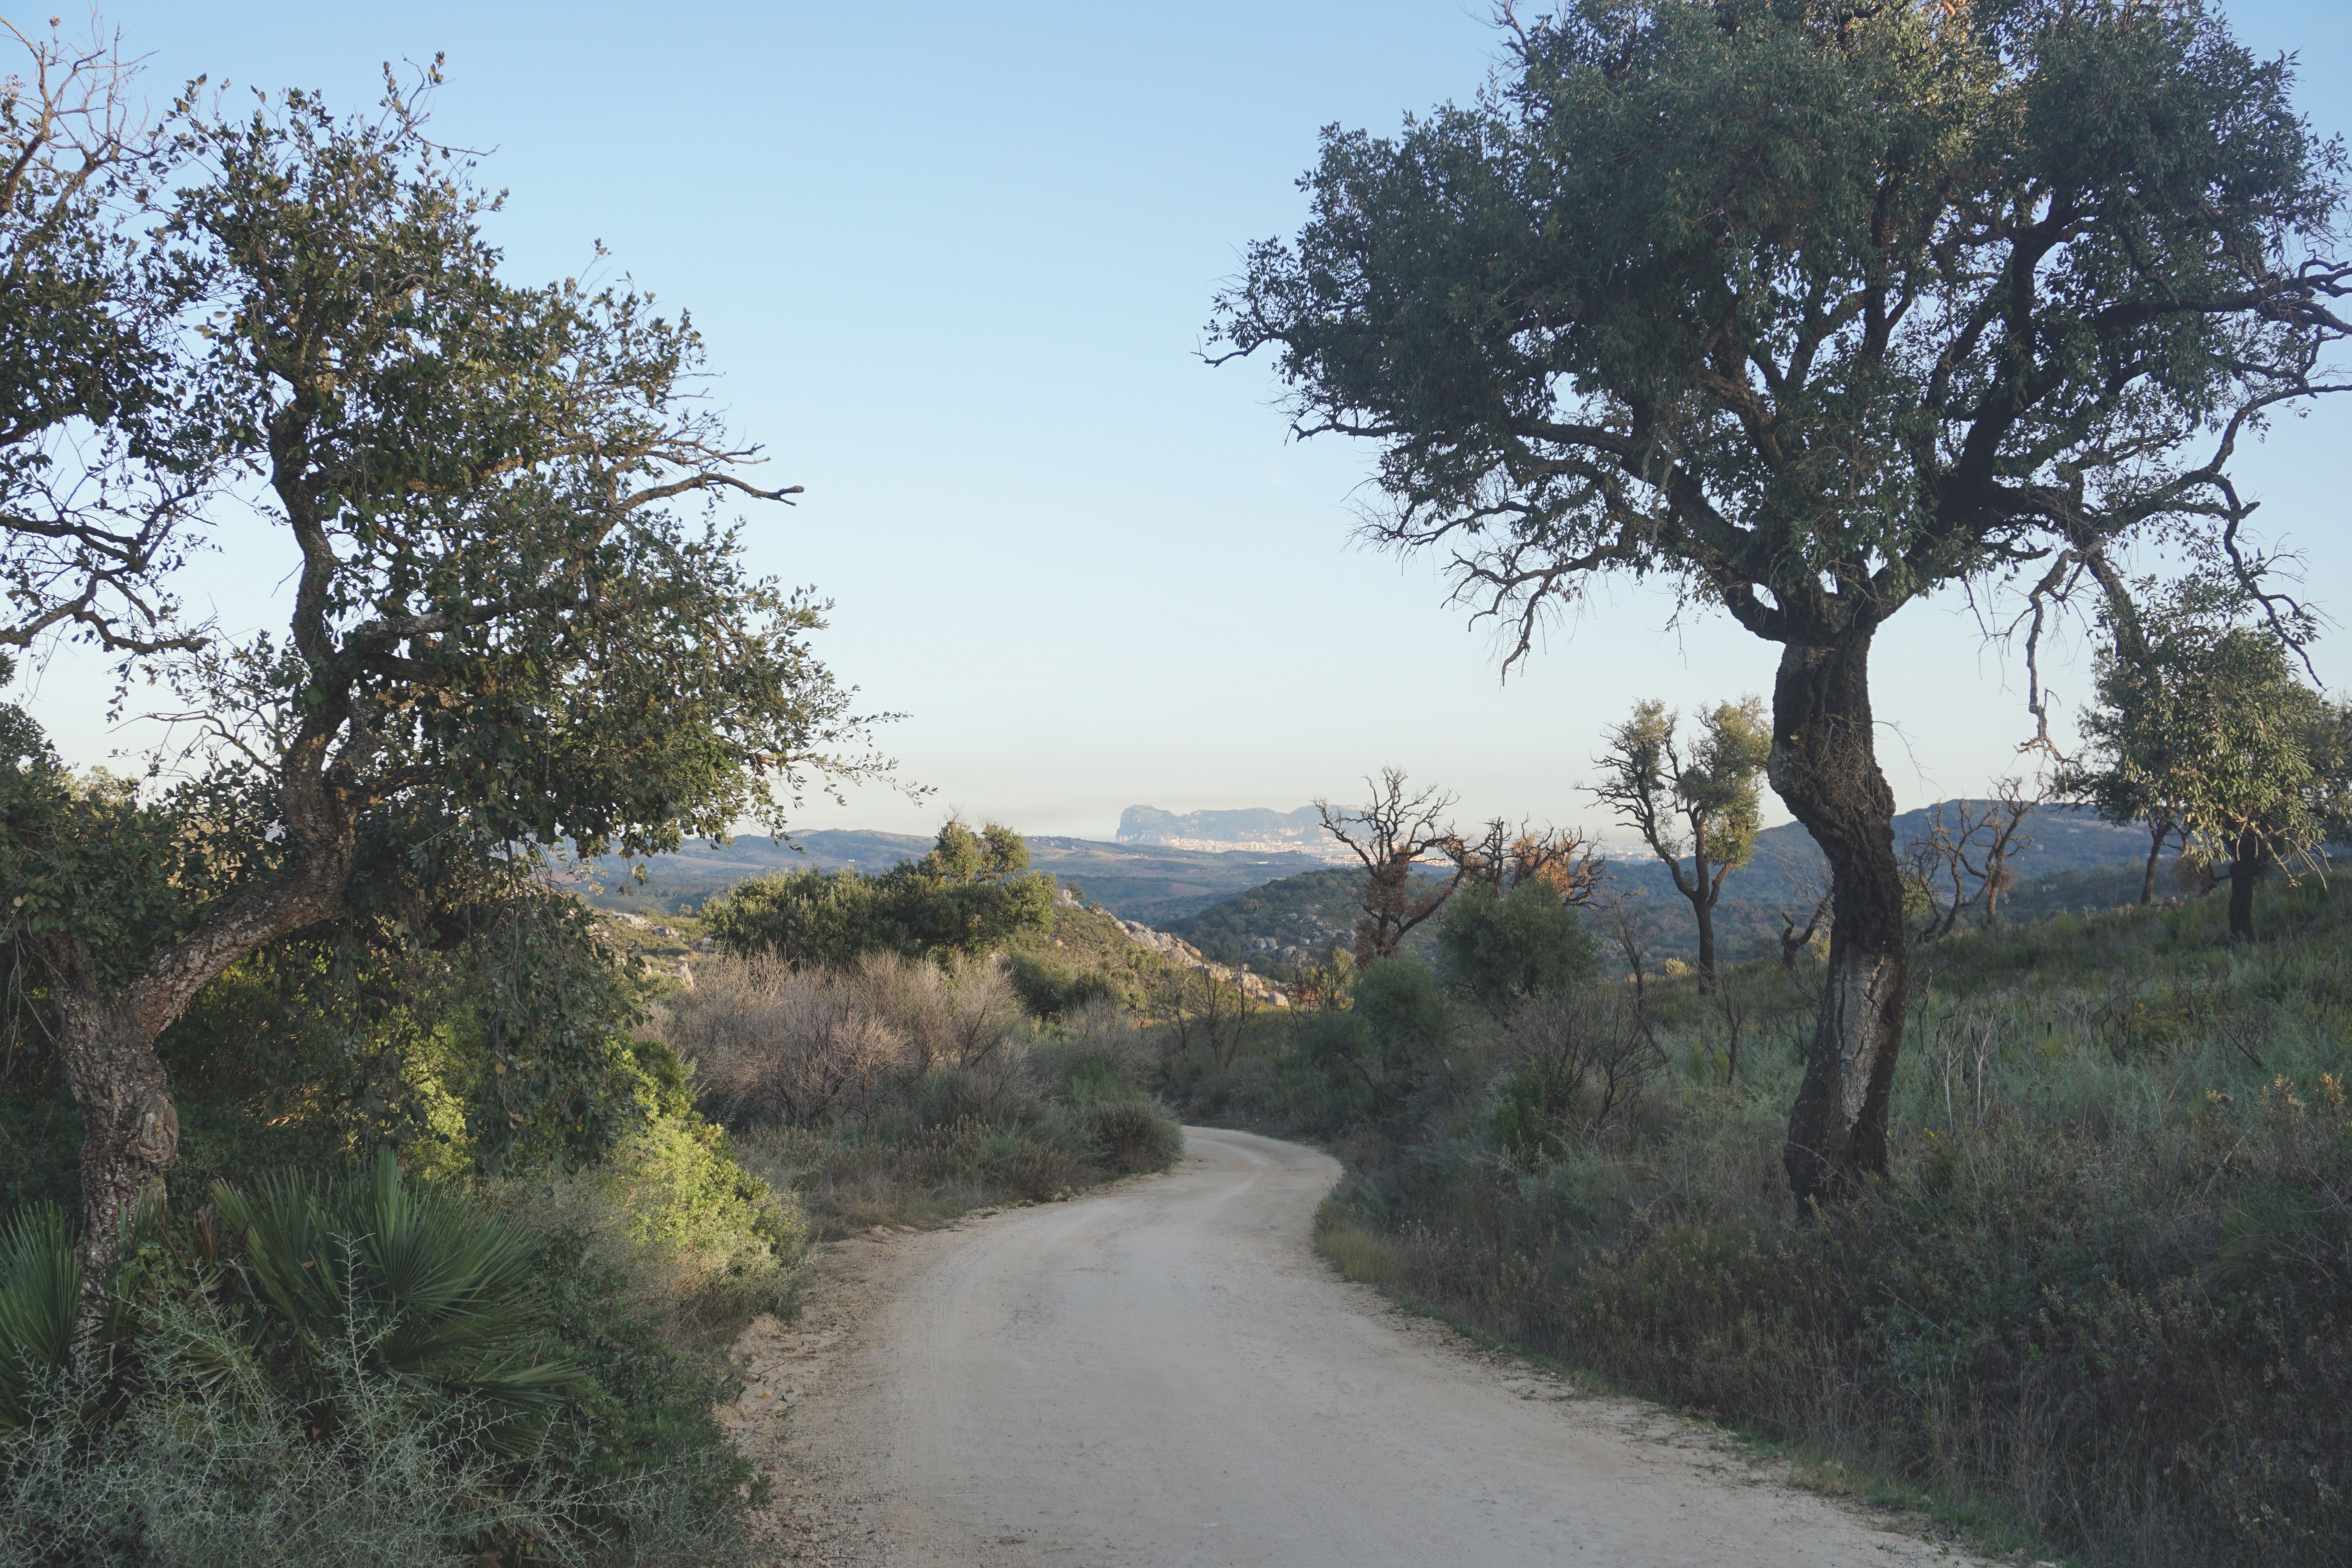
1256, 830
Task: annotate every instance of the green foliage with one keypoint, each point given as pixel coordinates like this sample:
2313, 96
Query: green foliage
219, 1466
1704, 806
379, 1370
1719, 291
1387, 1045
40, 1292
696, 1235
1500, 947
970, 895
432, 1292
499, 1041
2201, 718
91, 861
1051, 987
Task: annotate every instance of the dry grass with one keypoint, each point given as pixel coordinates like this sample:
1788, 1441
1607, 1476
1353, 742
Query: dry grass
2101, 1302
900, 1092
773, 1043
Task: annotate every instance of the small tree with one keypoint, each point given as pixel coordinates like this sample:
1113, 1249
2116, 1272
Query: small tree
2199, 711
1503, 946
1961, 860
1394, 833
1702, 808
502, 632
1389, 1042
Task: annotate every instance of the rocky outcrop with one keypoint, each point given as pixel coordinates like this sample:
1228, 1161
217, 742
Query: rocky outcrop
1178, 950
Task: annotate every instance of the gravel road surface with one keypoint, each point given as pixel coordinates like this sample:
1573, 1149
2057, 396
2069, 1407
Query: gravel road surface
1166, 1374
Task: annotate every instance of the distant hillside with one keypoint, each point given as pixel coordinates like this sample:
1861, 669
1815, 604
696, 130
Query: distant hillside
2077, 861
1297, 920
1147, 883
1297, 899
2066, 839
1255, 830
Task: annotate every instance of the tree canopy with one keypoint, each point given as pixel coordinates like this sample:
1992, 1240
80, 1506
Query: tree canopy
518, 617
2201, 718
1809, 310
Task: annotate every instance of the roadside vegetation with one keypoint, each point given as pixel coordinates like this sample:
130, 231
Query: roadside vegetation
2098, 1302
365, 1198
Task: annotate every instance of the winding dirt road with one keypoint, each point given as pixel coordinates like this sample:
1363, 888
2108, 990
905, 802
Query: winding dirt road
1166, 1374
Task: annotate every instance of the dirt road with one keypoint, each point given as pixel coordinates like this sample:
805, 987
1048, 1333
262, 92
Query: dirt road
1166, 1374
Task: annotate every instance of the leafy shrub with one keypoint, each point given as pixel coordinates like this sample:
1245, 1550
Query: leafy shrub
1501, 947
685, 1230
966, 898
1383, 1048
1132, 1134
1051, 988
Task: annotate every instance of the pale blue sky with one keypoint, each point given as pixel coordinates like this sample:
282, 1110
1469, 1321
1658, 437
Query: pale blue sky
953, 262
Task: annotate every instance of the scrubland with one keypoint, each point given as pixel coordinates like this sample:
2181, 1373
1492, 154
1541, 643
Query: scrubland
315, 1354
2098, 1306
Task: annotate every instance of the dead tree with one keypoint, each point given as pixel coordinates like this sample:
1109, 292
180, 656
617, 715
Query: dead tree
1963, 858
1392, 835
1562, 859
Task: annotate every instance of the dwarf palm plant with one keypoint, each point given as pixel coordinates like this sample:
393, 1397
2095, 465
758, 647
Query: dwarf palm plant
421, 1286
40, 1290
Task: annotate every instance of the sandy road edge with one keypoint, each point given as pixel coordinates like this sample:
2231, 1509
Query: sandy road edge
796, 1419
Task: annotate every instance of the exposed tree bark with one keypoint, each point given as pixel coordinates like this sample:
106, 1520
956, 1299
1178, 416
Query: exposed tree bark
106, 1046
2160, 829
1824, 765
2245, 870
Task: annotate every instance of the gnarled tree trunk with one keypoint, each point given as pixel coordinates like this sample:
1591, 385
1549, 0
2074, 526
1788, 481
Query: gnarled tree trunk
2158, 831
130, 1130
2245, 870
1824, 765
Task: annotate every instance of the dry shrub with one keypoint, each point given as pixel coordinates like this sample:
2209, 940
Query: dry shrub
1577, 1062
772, 1044
1131, 1135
